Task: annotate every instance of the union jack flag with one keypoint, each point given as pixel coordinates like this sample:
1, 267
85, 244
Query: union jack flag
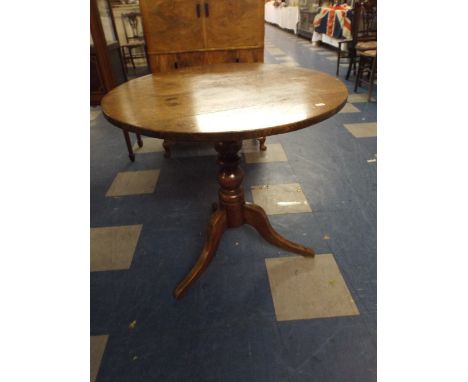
334, 21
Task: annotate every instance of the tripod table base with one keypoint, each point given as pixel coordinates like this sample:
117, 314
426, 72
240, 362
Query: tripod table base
232, 211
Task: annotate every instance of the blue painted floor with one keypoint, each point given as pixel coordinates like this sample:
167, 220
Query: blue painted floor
225, 329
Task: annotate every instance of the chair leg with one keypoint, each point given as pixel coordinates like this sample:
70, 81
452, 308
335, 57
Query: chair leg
351, 60
130, 50
140, 142
131, 155
359, 74
372, 77
338, 62
125, 58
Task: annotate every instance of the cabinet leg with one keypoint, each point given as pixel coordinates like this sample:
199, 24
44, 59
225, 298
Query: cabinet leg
261, 141
139, 140
167, 148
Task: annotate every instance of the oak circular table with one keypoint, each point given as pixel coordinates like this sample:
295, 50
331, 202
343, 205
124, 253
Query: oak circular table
226, 104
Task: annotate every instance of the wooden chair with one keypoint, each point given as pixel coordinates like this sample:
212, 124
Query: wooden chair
364, 34
367, 62
135, 47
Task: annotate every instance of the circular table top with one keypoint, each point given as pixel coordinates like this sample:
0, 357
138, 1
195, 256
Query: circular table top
224, 102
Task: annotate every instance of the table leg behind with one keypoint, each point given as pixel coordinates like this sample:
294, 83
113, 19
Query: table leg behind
128, 142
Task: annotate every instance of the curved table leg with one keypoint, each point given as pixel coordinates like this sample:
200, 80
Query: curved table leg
216, 228
257, 218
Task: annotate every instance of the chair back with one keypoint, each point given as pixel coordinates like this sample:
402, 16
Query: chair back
132, 26
364, 22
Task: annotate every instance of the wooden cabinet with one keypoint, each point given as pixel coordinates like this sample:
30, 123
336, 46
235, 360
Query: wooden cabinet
106, 70
182, 33
234, 24
99, 84
172, 25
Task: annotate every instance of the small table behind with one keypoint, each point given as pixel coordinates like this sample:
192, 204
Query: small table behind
284, 17
332, 24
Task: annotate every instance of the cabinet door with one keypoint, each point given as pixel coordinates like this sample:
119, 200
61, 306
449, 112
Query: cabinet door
172, 25
233, 23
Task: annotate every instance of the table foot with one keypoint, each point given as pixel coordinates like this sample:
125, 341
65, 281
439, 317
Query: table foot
216, 228
255, 216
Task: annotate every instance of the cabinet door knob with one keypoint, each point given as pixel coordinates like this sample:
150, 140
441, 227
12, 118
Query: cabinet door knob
207, 9
198, 10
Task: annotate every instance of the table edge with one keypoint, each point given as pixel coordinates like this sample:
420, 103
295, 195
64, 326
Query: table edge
227, 135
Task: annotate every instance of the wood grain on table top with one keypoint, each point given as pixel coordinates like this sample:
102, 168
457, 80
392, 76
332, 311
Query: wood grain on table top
224, 102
